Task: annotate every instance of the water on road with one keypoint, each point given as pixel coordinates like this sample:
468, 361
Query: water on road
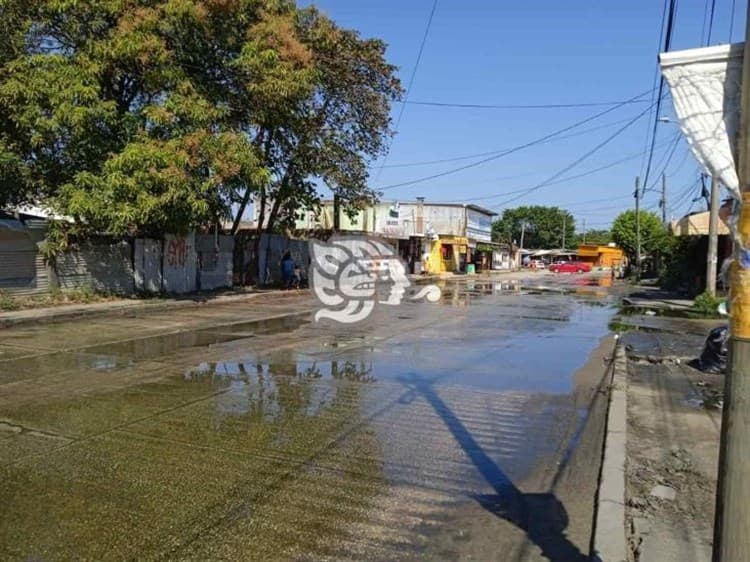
467, 428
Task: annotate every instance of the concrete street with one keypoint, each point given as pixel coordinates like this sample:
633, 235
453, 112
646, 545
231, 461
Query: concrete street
467, 429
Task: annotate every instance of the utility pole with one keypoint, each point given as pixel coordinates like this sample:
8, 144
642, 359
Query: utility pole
663, 202
637, 230
713, 238
732, 527
584, 232
563, 233
520, 250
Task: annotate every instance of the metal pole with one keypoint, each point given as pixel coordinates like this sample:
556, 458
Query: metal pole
637, 230
520, 250
664, 199
584, 232
563, 233
713, 238
732, 526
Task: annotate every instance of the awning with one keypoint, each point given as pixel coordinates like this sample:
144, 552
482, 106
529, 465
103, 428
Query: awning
705, 86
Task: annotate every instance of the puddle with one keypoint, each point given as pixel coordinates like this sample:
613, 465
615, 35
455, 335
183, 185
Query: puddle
325, 441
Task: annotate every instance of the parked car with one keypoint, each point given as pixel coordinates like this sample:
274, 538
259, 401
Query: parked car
537, 264
570, 267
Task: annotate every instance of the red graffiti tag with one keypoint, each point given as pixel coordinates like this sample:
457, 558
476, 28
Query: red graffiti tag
177, 252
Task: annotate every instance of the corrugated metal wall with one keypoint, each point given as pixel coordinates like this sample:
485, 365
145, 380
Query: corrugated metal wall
22, 268
102, 267
215, 261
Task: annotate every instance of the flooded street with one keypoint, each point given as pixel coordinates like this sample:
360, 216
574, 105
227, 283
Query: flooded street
466, 429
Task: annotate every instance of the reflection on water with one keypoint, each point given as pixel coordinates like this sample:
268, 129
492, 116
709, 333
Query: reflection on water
314, 446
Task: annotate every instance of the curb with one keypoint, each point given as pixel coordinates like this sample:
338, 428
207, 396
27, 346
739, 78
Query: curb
609, 543
74, 312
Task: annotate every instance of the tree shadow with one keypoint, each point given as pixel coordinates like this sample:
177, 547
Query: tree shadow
541, 516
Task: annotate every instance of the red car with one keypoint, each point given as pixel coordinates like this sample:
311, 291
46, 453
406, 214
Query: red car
570, 267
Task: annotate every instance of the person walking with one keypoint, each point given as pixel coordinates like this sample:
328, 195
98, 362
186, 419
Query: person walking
287, 270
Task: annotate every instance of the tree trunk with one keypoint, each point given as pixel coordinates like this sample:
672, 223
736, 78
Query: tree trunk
248, 189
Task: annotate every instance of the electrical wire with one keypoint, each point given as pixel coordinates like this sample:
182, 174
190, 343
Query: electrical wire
665, 161
654, 81
711, 22
565, 179
731, 21
411, 81
518, 106
514, 149
667, 43
498, 151
575, 162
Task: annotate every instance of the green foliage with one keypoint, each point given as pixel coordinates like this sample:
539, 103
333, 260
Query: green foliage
598, 237
685, 264
7, 302
146, 117
707, 304
544, 227
654, 236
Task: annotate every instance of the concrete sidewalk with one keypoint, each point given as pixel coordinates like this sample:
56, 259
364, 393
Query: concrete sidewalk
674, 421
131, 305
125, 306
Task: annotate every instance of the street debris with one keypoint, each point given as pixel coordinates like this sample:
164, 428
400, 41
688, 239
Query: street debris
663, 493
713, 359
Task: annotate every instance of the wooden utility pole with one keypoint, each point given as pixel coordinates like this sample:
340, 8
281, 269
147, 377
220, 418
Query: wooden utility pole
713, 238
584, 232
663, 202
563, 234
637, 230
732, 528
520, 250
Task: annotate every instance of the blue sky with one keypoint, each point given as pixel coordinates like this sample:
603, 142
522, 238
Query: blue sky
533, 52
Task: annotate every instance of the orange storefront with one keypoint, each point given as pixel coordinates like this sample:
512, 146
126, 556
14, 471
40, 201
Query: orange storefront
601, 256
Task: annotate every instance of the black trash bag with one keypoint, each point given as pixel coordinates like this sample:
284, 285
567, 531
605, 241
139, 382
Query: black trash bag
715, 352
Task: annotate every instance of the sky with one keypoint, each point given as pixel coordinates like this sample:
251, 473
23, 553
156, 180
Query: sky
536, 52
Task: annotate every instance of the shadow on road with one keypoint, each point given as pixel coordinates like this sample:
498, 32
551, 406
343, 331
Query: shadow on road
541, 516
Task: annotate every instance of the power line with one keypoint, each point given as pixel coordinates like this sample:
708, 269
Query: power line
518, 106
491, 152
731, 21
703, 27
566, 179
667, 43
711, 22
411, 81
656, 77
577, 161
676, 141
511, 150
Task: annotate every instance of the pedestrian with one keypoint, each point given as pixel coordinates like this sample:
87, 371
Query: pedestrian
287, 270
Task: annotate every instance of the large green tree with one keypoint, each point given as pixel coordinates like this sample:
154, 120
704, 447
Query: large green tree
654, 236
164, 115
542, 227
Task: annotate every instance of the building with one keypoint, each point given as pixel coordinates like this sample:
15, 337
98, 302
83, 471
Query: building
601, 256
430, 237
693, 232
22, 232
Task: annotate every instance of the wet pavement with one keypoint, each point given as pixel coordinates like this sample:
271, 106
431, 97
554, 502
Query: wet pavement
243, 431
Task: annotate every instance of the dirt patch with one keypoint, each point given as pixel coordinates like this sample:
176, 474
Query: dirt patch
673, 442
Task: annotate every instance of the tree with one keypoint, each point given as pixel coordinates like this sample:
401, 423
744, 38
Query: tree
599, 237
168, 115
544, 227
654, 236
